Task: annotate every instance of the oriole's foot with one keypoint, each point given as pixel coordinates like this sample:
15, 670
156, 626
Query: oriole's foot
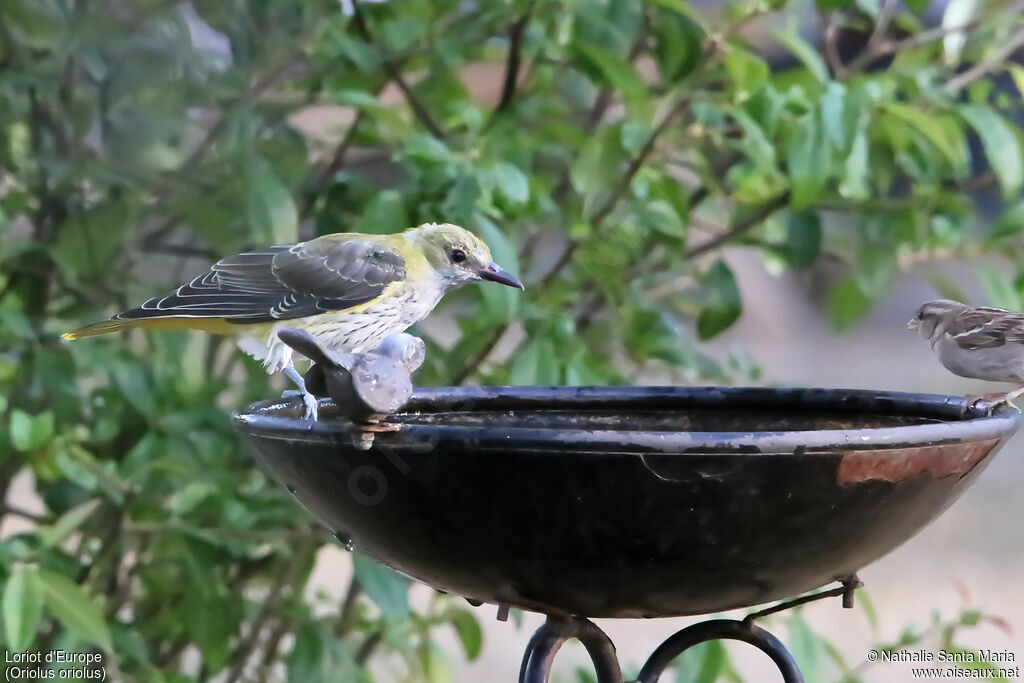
309, 400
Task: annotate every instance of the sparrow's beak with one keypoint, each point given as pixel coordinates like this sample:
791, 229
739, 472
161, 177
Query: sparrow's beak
496, 273
913, 324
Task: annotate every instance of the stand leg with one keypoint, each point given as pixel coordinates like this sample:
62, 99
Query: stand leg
545, 643
716, 630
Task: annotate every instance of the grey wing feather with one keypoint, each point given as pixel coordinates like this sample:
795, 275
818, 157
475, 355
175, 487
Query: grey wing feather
985, 327
283, 282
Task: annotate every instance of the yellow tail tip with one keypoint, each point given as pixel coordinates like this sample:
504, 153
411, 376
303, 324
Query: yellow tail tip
68, 336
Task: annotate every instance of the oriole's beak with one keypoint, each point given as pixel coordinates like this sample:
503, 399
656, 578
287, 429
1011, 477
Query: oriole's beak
913, 324
496, 273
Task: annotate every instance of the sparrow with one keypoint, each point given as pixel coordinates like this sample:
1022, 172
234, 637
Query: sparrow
976, 342
348, 290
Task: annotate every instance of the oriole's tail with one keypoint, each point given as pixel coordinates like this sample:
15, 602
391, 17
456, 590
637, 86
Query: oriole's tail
165, 322
105, 327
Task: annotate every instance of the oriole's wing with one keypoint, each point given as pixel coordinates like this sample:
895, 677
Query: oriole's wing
983, 327
330, 273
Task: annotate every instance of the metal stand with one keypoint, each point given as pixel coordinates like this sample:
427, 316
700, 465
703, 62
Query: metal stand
545, 643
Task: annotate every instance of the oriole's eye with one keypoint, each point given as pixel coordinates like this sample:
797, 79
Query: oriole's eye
458, 256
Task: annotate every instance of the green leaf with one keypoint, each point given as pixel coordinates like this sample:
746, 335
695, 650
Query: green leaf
803, 51
1010, 223
832, 103
190, 496
947, 288
597, 165
388, 589
37, 23
957, 13
634, 136
803, 239
269, 208
30, 433
427, 148
684, 8
1001, 146
136, 386
468, 629
460, 204
364, 56
748, 71
67, 523
804, 643
855, 170
436, 665
384, 213
390, 120
999, 290
511, 182
74, 608
722, 301
607, 67
809, 161
660, 216
535, 364
1017, 73
679, 44
933, 126
758, 147
501, 302
89, 241
22, 608
846, 304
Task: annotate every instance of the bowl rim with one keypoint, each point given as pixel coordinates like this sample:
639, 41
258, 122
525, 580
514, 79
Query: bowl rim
263, 419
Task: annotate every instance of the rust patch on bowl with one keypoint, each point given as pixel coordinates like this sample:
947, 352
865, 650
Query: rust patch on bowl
899, 464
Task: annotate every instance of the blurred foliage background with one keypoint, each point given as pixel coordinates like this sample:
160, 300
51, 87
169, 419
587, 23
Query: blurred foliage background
606, 150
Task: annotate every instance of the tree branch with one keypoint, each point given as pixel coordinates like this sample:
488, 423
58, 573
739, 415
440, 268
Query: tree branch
602, 213
740, 226
286, 576
983, 68
207, 143
394, 73
337, 161
515, 46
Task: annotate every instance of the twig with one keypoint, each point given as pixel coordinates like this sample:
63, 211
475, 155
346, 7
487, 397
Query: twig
8, 509
831, 36
620, 188
289, 570
584, 316
711, 48
394, 73
741, 226
206, 144
515, 40
368, 646
885, 15
337, 161
473, 366
984, 67
887, 47
348, 606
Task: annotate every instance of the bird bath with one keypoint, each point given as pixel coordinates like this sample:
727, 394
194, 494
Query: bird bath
585, 502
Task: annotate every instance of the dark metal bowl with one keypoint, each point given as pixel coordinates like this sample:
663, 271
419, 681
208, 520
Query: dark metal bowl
632, 501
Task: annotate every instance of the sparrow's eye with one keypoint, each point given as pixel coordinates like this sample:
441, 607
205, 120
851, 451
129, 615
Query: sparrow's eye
458, 256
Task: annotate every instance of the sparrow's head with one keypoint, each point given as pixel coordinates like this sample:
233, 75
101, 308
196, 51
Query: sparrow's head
934, 317
458, 256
